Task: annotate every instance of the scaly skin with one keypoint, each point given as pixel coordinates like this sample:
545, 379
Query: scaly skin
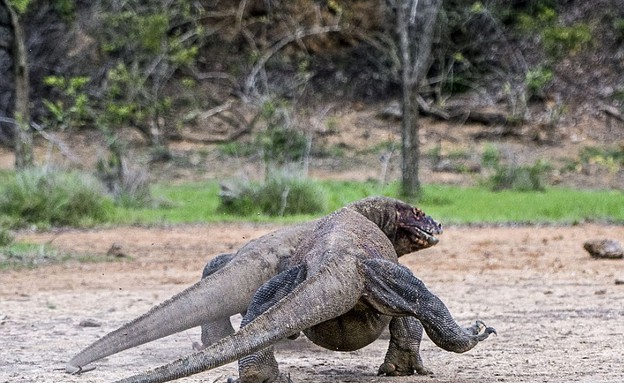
395, 218
342, 287
239, 276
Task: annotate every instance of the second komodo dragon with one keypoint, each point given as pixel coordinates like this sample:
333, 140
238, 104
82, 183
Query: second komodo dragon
342, 288
231, 280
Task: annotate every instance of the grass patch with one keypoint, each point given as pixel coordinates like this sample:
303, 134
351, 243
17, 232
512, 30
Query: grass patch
565, 206
187, 203
520, 178
611, 158
18, 256
199, 202
5, 176
277, 197
5, 237
48, 198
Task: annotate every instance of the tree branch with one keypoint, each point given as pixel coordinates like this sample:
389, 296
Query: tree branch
299, 34
48, 137
612, 111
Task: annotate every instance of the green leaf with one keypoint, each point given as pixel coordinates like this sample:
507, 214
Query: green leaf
20, 5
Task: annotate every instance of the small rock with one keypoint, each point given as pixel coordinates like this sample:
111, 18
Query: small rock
619, 281
89, 323
604, 248
116, 251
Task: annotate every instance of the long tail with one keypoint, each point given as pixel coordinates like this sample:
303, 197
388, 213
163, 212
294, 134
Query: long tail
323, 296
200, 303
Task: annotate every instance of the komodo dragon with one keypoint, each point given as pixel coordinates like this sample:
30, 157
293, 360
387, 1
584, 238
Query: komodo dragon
231, 280
343, 286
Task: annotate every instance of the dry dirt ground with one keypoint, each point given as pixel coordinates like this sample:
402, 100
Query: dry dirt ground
559, 313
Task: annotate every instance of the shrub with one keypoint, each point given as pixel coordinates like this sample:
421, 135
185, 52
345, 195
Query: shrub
536, 80
5, 237
281, 142
611, 158
22, 255
54, 198
618, 25
237, 149
561, 40
282, 145
73, 108
278, 196
558, 40
127, 183
520, 178
490, 158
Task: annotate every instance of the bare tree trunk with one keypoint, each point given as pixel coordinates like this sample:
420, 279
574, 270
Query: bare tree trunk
23, 136
410, 146
415, 30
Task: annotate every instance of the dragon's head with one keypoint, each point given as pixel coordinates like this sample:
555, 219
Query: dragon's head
414, 229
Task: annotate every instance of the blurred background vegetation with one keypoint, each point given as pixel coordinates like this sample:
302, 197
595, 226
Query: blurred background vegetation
187, 111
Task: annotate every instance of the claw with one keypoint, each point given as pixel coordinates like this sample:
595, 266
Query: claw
386, 369
486, 332
480, 330
77, 370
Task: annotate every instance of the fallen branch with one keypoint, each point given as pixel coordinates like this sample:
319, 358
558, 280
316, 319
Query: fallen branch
485, 118
233, 118
211, 112
612, 111
463, 115
207, 140
56, 141
430, 109
48, 137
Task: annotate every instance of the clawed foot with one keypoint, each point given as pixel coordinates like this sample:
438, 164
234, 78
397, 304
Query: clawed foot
391, 369
479, 326
77, 370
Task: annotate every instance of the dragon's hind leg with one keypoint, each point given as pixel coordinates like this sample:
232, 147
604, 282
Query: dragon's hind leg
403, 356
261, 366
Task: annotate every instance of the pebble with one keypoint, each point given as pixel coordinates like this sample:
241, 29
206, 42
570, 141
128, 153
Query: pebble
89, 323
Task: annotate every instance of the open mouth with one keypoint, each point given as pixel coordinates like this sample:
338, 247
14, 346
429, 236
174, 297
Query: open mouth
428, 233
428, 237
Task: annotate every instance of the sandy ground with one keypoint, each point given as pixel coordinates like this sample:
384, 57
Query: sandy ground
559, 313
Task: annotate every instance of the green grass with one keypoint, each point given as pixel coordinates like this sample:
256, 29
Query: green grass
566, 206
48, 198
199, 202
19, 255
280, 195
